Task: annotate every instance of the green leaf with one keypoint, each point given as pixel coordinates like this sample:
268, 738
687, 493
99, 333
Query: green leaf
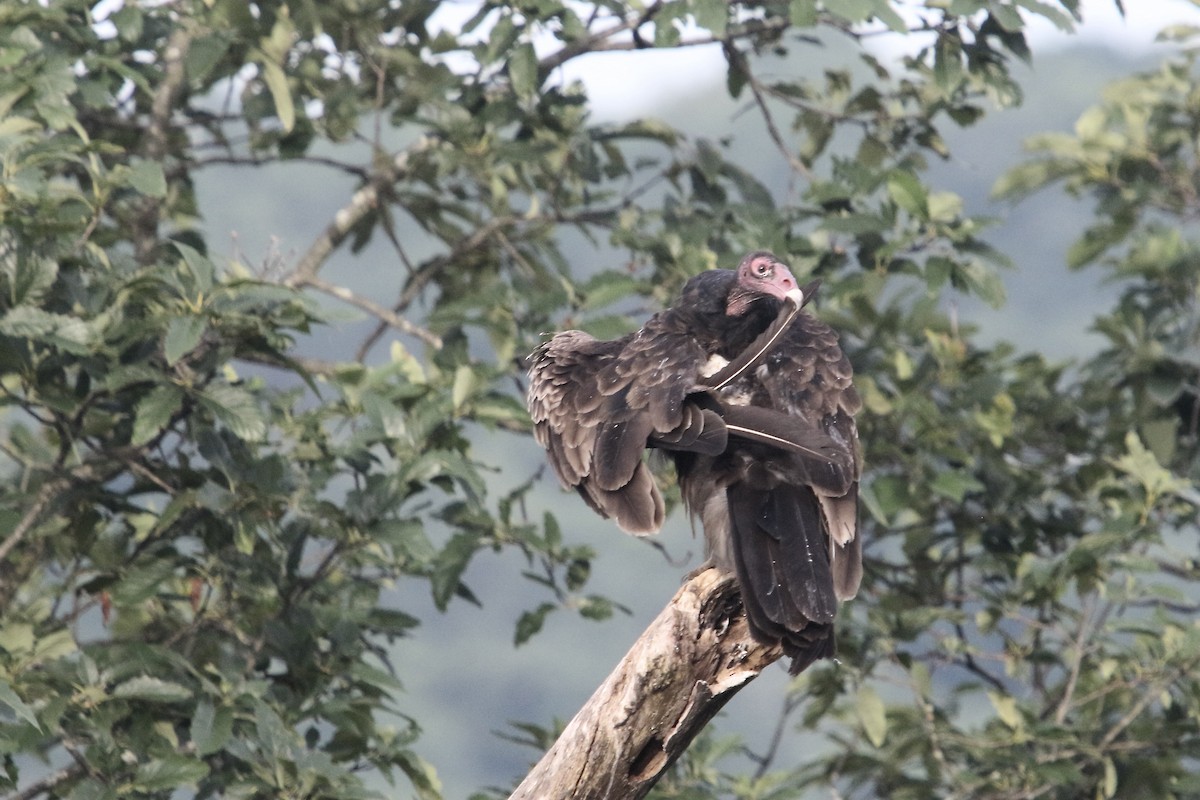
501, 408
52, 646
735, 78
606, 288
378, 678
803, 13
530, 622
148, 178
10, 698
211, 727
955, 485
753, 191
852, 10
596, 607
1141, 464
273, 734
883, 11
712, 14
1007, 710
31, 279
154, 412
71, 334
1096, 240
944, 206
422, 775
141, 581
464, 386
408, 364
523, 71
1178, 33
1023, 179
183, 334
235, 408
204, 54
868, 706
947, 62
449, 566
198, 266
1162, 437
1062, 21
276, 80
391, 621
908, 193
984, 283
1108, 788
129, 22
170, 772
386, 415
144, 687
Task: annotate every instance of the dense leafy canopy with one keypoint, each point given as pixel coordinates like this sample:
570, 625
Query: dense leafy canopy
198, 519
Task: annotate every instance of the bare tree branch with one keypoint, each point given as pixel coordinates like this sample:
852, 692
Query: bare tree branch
49, 490
361, 204
736, 59
683, 669
385, 315
154, 143
48, 783
602, 41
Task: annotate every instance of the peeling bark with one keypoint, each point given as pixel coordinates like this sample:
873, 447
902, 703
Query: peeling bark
692, 659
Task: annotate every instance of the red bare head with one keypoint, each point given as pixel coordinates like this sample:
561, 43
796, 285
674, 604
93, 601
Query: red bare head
762, 274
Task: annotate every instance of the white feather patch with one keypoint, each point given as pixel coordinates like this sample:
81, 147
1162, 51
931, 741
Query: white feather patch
714, 365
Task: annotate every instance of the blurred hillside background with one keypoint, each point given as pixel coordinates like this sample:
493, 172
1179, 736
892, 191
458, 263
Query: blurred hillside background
1049, 309
235, 511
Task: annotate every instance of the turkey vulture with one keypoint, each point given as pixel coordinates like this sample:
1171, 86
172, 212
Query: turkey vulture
753, 400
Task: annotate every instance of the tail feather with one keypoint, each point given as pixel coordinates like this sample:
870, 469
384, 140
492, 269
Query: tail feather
794, 516
811, 644
783, 568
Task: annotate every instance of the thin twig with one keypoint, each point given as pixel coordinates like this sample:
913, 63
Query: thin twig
154, 143
765, 761
385, 315
48, 783
361, 204
1078, 650
768, 119
48, 491
259, 161
1153, 690
426, 273
599, 42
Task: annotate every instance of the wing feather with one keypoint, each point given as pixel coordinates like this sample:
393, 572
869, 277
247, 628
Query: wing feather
790, 474
596, 406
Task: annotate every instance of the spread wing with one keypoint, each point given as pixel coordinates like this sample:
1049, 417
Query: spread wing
596, 406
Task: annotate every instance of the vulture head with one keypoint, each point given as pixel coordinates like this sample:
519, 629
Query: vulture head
761, 274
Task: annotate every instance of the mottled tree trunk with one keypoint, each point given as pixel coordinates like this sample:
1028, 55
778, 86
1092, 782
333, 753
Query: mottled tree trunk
691, 660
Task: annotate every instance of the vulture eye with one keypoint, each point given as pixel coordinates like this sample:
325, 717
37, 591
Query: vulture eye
762, 268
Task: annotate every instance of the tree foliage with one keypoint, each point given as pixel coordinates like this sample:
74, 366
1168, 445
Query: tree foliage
198, 519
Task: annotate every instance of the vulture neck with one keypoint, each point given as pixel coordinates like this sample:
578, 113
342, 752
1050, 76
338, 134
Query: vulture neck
732, 335
701, 313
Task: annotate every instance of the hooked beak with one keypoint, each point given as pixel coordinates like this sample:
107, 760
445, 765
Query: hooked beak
809, 291
801, 297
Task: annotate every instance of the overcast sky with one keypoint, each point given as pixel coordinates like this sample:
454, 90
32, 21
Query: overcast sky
618, 84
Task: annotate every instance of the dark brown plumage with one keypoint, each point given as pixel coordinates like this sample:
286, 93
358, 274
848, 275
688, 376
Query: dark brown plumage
766, 449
